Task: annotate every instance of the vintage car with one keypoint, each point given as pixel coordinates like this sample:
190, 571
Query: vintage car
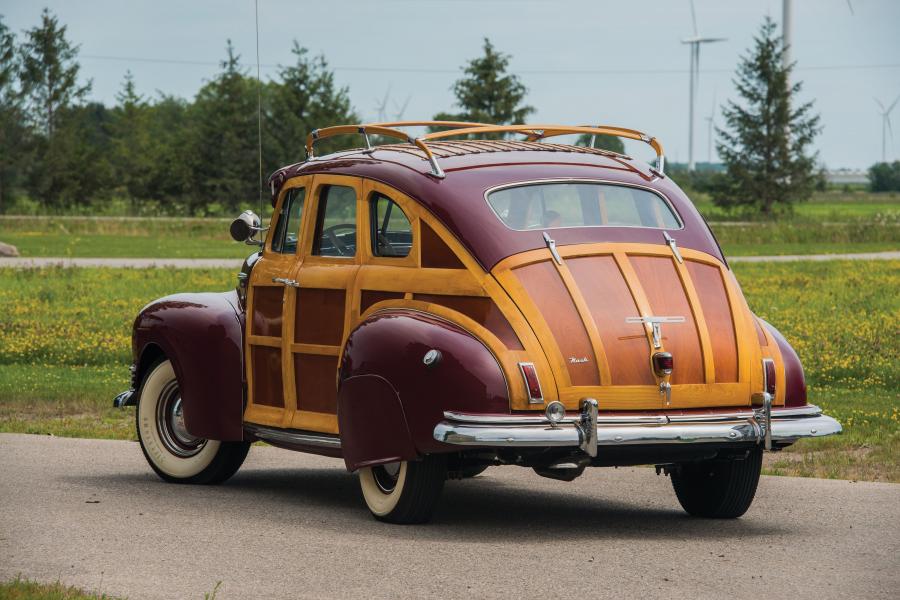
429, 308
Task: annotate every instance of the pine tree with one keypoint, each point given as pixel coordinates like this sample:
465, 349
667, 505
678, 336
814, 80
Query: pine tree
765, 144
131, 141
13, 134
487, 94
306, 98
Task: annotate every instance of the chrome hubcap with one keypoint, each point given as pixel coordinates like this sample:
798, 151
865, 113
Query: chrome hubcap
170, 423
386, 476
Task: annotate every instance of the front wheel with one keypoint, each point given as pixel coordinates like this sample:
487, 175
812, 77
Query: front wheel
719, 489
173, 453
404, 492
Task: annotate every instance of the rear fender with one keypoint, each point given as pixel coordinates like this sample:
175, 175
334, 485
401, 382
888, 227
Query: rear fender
389, 400
202, 335
795, 381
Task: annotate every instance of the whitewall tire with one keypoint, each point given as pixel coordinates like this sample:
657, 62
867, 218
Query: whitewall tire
404, 492
175, 454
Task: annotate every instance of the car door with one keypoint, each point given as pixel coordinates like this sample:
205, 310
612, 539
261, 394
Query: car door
271, 298
330, 262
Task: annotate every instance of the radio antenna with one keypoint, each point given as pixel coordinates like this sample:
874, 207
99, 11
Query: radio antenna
258, 109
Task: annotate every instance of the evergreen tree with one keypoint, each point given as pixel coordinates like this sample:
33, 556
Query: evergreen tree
225, 151
131, 142
13, 134
487, 93
604, 142
306, 98
52, 93
765, 145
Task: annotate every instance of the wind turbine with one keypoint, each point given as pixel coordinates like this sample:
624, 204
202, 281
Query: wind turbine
710, 123
886, 125
694, 42
381, 106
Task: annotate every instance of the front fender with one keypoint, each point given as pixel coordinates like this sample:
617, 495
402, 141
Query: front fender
202, 335
385, 388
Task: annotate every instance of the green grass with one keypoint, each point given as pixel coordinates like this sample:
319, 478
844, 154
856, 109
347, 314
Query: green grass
65, 349
832, 205
25, 589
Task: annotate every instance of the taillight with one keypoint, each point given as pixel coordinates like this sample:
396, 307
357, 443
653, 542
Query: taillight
769, 375
663, 363
532, 384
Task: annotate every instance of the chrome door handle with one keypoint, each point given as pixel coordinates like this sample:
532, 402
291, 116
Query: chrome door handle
285, 281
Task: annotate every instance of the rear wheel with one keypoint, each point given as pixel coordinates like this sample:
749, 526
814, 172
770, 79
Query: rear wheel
720, 488
404, 492
173, 453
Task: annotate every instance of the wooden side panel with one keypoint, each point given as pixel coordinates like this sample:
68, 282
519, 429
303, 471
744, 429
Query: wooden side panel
711, 291
667, 297
546, 290
481, 310
316, 384
267, 305
267, 383
435, 253
369, 297
610, 302
320, 316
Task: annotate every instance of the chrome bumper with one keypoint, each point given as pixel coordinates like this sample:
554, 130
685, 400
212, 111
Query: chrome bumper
125, 399
766, 426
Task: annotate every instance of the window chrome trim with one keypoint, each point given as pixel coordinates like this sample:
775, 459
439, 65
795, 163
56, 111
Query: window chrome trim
530, 182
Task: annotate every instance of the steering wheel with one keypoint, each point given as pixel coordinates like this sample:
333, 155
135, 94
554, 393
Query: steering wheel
331, 234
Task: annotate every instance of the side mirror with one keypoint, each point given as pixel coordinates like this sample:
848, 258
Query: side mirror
245, 227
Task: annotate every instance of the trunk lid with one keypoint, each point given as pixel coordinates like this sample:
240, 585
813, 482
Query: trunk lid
580, 309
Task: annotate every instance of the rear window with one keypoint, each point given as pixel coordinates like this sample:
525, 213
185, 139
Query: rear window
550, 205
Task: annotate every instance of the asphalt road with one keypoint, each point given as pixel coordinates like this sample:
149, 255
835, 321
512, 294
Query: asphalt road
91, 513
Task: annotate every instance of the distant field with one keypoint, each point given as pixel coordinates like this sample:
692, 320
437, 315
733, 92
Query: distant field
831, 225
823, 206
64, 351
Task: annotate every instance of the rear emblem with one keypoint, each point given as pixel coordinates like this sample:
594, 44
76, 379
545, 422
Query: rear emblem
656, 323
575, 360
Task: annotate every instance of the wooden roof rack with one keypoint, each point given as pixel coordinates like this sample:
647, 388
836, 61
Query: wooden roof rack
532, 133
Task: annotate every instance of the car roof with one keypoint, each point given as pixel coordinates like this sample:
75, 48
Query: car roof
472, 167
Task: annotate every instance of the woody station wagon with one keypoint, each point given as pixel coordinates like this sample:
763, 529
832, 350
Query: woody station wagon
429, 308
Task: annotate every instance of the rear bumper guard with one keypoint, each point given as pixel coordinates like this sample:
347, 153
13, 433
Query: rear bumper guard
766, 426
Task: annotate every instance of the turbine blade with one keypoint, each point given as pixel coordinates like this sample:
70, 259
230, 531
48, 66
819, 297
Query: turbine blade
878, 102
694, 18
850, 6
893, 104
890, 129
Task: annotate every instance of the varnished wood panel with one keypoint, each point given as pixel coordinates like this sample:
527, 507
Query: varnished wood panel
267, 380
481, 310
759, 333
320, 316
610, 302
666, 297
435, 253
316, 383
267, 305
370, 297
711, 291
546, 290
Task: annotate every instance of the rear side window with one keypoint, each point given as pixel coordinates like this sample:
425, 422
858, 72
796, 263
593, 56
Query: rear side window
288, 225
550, 205
336, 222
391, 230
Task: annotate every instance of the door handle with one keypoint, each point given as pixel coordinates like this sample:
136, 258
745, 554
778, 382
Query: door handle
285, 281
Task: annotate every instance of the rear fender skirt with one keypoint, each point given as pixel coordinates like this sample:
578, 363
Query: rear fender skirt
390, 347
201, 334
795, 381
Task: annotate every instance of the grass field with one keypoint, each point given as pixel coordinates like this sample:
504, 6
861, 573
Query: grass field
65, 339
829, 224
24, 589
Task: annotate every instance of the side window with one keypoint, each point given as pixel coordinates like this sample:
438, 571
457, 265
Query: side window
336, 222
391, 231
288, 225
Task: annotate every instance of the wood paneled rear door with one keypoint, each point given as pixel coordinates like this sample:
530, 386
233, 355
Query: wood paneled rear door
331, 259
268, 311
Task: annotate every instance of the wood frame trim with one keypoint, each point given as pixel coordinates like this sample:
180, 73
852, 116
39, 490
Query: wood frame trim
709, 369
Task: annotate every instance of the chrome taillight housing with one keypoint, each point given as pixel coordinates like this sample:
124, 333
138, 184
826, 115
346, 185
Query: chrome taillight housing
663, 363
532, 383
769, 376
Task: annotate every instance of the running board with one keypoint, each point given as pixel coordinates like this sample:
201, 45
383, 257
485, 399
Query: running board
292, 436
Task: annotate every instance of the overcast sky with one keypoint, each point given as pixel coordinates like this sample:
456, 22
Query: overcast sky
618, 63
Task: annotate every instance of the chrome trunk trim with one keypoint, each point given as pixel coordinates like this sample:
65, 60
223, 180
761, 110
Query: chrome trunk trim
290, 436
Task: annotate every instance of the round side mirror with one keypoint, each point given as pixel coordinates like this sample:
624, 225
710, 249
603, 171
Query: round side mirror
245, 226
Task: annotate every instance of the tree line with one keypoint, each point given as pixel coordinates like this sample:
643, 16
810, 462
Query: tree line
61, 151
